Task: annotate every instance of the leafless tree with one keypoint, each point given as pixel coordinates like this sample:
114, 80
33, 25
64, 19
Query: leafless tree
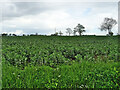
108, 24
60, 33
74, 31
69, 31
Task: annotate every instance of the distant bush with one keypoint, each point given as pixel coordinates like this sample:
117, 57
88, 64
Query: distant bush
4, 34
56, 34
111, 33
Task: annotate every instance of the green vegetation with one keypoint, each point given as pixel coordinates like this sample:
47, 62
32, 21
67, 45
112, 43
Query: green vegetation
60, 62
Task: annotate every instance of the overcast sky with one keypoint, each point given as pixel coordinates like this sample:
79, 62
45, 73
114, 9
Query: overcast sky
44, 17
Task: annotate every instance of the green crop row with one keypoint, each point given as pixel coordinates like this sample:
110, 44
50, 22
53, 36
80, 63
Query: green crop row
86, 61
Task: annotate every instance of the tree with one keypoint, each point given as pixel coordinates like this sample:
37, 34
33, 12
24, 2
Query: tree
56, 34
36, 34
80, 29
10, 34
4, 34
69, 31
60, 33
108, 24
24, 35
74, 31
14, 34
111, 33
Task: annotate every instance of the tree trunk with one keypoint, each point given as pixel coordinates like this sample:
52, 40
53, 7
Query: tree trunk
80, 34
109, 30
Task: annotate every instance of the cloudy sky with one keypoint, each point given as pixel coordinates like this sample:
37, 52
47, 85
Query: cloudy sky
44, 17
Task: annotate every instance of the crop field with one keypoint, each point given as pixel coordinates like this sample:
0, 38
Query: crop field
60, 62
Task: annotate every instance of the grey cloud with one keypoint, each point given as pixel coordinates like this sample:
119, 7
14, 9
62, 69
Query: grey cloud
17, 9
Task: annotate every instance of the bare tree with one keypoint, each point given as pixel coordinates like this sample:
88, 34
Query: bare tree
60, 33
108, 24
80, 29
74, 31
69, 31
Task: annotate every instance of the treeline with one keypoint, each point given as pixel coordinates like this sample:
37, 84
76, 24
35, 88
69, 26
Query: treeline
78, 29
106, 25
5, 34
